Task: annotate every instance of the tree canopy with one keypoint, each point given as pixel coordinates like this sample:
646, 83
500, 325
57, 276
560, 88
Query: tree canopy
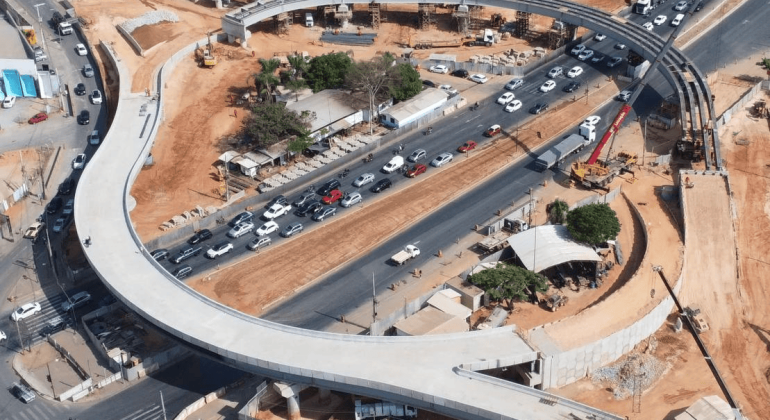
409, 83
593, 224
508, 282
270, 123
557, 212
373, 77
328, 71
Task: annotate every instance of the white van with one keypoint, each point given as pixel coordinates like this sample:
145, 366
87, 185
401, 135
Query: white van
308, 19
677, 20
9, 101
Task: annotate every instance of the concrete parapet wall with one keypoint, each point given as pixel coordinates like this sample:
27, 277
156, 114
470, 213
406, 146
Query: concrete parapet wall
740, 104
200, 403
131, 40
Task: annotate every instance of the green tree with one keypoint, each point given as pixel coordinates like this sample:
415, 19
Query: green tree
328, 71
557, 212
298, 66
295, 86
508, 282
372, 77
266, 78
408, 83
301, 142
270, 123
593, 224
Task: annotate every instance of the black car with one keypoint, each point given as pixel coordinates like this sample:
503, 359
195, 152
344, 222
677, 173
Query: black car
84, 118
185, 253
381, 185
80, 89
309, 208
201, 236
159, 254
245, 216
428, 83
328, 187
66, 187
277, 200
304, 198
538, 108
460, 73
53, 326
54, 205
183, 271
573, 86
699, 7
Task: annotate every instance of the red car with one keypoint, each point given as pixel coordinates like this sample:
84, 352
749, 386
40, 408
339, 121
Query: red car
333, 197
491, 131
467, 147
39, 117
416, 170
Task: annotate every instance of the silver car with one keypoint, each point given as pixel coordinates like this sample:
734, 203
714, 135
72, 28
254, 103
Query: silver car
88, 71
240, 229
351, 199
442, 159
323, 214
363, 180
418, 154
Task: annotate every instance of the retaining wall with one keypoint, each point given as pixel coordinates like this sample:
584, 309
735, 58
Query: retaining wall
741, 103
131, 40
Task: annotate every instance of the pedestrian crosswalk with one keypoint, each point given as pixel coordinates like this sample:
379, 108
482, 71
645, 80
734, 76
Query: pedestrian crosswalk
38, 410
153, 412
32, 327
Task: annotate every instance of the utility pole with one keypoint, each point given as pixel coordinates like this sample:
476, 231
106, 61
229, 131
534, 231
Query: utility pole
18, 331
374, 302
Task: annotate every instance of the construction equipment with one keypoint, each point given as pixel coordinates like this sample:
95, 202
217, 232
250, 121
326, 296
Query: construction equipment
497, 20
208, 60
697, 320
556, 301
760, 109
425, 44
594, 173
499, 239
483, 38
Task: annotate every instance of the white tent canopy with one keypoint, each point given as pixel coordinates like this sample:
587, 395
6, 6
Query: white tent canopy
546, 246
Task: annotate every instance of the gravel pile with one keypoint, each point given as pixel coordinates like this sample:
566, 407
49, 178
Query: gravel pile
149, 18
621, 376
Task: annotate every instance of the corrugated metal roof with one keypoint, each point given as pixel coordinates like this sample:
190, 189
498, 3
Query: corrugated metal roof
447, 305
554, 246
426, 99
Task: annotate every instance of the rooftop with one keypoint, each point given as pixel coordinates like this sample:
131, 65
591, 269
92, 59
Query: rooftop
329, 105
546, 246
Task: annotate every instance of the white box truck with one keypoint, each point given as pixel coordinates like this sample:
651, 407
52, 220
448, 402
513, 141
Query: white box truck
308, 19
65, 28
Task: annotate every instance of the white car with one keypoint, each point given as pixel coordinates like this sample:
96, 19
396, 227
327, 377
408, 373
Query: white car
219, 249
439, 69
680, 6
513, 84
592, 120
449, 89
577, 49
351, 199
25, 311
2, 336
648, 26
661, 19
96, 97
505, 98
363, 180
240, 229
620, 46
393, 165
276, 210
479, 78
575, 72
78, 299
600, 37
266, 229
556, 71
548, 86
585, 55
513, 106
79, 162
677, 20
81, 49
9, 101
442, 159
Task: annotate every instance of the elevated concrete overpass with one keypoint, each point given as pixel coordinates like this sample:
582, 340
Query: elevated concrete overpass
437, 373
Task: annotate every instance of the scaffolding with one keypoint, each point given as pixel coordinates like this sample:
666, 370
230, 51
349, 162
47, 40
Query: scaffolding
282, 22
426, 11
522, 24
374, 14
557, 34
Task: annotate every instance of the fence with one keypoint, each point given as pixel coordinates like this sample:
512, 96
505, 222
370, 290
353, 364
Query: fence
14, 198
151, 364
596, 198
740, 103
79, 390
200, 402
251, 409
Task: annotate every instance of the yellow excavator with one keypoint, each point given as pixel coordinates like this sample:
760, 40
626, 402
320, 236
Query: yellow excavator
208, 60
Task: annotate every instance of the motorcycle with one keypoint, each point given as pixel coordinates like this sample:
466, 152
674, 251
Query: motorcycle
368, 158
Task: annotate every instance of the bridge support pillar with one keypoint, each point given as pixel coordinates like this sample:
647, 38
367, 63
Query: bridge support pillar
324, 396
218, 3
291, 393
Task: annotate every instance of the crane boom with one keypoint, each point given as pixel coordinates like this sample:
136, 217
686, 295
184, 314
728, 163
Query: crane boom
581, 169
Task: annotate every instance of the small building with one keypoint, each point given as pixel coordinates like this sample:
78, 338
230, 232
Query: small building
247, 166
470, 295
448, 301
329, 112
430, 321
413, 109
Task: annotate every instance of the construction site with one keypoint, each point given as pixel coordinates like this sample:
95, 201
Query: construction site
687, 230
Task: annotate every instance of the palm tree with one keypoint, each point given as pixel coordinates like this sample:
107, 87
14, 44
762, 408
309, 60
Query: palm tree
298, 64
295, 86
266, 78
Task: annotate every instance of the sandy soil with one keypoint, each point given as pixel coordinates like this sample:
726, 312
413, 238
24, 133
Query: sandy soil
17, 165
